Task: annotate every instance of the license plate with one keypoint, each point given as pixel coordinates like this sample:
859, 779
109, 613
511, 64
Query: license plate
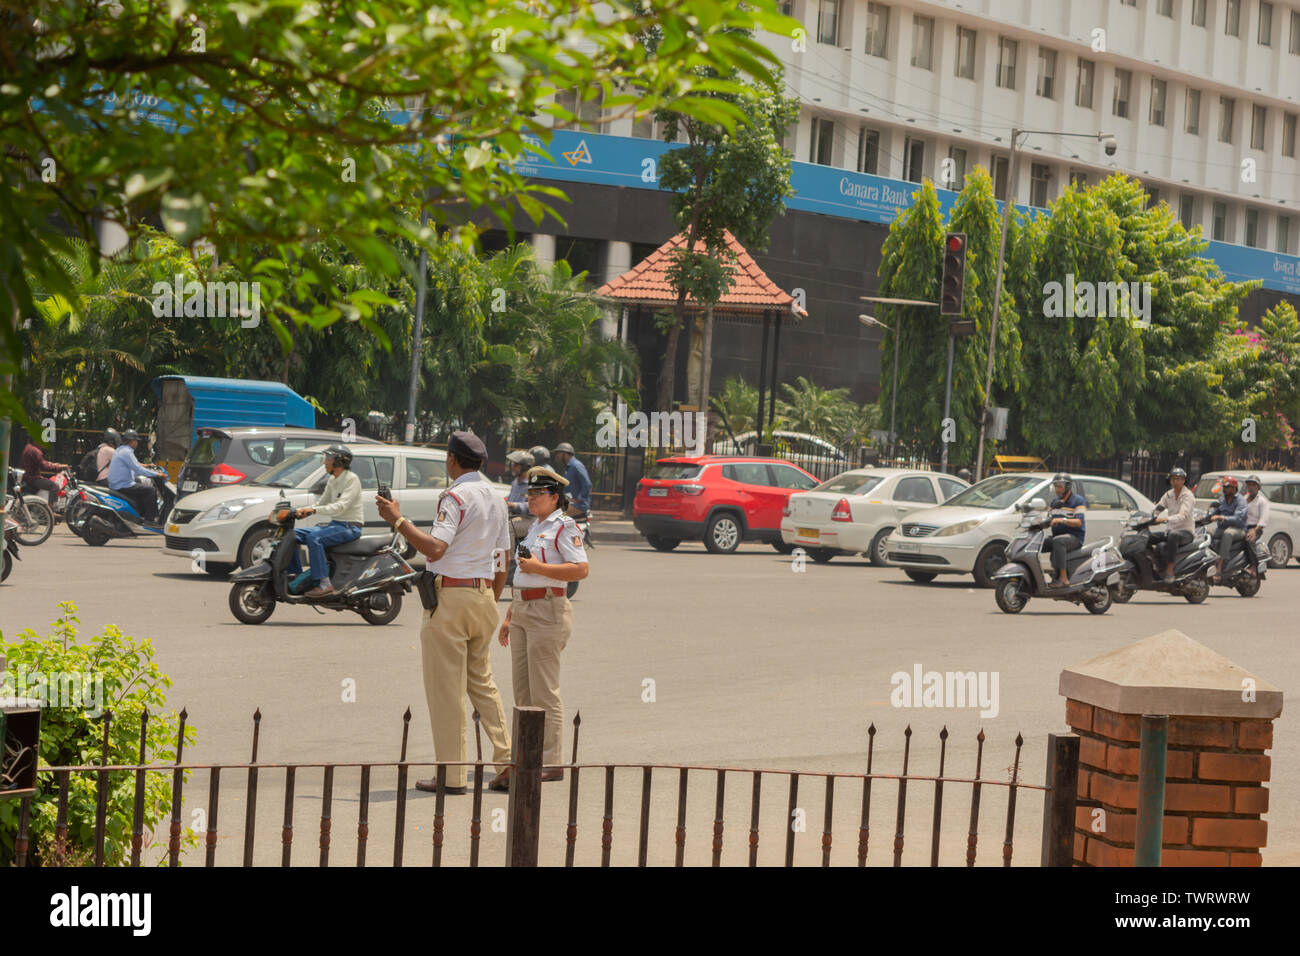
189, 485
909, 546
658, 492
810, 533
173, 529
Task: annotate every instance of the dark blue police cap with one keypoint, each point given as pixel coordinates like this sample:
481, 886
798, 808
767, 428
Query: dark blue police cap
467, 445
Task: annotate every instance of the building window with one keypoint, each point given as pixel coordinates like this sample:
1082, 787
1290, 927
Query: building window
644, 128
958, 180
1006, 77
1265, 34
1193, 125
1220, 228
922, 42
868, 150
1283, 234
1000, 176
828, 22
823, 138
1083, 84
1232, 18
1129, 3
965, 53
1157, 115
1288, 135
1153, 197
1079, 178
1165, 8
877, 28
1120, 105
1295, 31
1258, 120
1040, 179
1227, 106
1252, 227
914, 160
588, 112
1198, 13
1186, 211
1047, 73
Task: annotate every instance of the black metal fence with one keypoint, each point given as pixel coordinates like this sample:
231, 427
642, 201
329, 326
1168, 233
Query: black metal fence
523, 828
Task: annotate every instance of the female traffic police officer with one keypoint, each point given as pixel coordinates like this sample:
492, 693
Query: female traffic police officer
540, 618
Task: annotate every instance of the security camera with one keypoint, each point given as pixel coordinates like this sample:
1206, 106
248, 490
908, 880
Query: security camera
1110, 145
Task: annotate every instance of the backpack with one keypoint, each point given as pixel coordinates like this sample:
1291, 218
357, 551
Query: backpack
87, 469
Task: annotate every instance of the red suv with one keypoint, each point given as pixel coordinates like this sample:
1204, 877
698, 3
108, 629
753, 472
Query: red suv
723, 500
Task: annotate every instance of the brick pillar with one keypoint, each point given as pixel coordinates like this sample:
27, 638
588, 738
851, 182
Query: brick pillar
1221, 722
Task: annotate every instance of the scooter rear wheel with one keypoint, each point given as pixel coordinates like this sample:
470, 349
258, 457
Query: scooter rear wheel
1009, 593
251, 603
94, 537
1098, 604
1249, 587
1195, 592
390, 607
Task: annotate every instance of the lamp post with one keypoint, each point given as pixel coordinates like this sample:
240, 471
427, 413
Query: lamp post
871, 320
1110, 144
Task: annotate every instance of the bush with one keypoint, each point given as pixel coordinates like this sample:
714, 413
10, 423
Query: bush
79, 683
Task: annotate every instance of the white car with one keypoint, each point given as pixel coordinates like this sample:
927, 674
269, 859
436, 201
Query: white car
969, 534
229, 525
855, 512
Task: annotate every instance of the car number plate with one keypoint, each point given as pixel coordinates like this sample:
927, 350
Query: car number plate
189, 485
909, 546
658, 492
173, 529
810, 533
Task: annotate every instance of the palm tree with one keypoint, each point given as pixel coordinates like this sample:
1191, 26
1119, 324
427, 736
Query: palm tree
811, 409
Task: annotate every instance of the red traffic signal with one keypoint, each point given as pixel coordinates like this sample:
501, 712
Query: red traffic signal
953, 287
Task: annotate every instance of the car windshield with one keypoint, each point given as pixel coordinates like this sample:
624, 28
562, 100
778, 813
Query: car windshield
1000, 491
206, 451
850, 483
673, 470
293, 472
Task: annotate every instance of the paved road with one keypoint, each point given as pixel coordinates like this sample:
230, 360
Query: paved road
753, 666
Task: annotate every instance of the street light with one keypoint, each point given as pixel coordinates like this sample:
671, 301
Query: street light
871, 320
1110, 145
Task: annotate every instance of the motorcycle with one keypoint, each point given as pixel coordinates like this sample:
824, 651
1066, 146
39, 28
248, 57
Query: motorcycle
1143, 546
1237, 564
369, 576
1092, 569
104, 514
33, 514
68, 497
10, 547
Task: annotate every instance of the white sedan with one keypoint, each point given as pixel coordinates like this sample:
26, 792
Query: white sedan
856, 511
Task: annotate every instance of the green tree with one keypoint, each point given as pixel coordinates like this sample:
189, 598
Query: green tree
1261, 382
811, 409
738, 404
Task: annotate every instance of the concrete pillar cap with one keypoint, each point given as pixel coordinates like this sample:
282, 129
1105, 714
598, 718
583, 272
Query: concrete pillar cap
1169, 673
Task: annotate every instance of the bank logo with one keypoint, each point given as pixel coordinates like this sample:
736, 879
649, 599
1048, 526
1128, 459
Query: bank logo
580, 154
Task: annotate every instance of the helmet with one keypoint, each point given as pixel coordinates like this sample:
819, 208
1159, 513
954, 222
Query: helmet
964, 474
520, 458
341, 454
1062, 478
541, 455
1178, 473
1229, 482
130, 435
565, 447
1254, 479
111, 437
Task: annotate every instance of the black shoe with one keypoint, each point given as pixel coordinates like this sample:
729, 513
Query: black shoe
431, 786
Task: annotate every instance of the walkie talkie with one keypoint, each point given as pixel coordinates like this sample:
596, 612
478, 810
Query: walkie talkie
385, 492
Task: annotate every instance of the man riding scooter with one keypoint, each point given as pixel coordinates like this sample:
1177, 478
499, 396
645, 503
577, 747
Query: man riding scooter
1179, 507
341, 500
1256, 519
1229, 517
122, 472
1067, 532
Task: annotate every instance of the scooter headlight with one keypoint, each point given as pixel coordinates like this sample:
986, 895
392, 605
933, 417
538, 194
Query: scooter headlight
228, 509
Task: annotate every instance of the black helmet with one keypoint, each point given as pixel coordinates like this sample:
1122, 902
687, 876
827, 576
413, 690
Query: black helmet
565, 447
541, 455
111, 437
964, 474
130, 435
520, 458
1062, 478
1178, 473
341, 454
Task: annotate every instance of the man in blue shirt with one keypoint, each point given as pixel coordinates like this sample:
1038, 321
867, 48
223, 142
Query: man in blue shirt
579, 481
517, 500
1067, 531
1229, 517
122, 472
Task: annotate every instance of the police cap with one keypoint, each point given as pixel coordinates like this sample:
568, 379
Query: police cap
540, 476
466, 445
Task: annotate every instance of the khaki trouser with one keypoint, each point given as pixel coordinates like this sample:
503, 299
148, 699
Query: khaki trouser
539, 629
455, 649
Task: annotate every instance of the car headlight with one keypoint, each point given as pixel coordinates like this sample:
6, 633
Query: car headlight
960, 527
228, 509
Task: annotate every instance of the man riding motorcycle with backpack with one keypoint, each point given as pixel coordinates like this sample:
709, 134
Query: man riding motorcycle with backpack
1229, 517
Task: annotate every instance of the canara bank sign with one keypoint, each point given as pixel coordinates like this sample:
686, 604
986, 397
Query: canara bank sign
875, 192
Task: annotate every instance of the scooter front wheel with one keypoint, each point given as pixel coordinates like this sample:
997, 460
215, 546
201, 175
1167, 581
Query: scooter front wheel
1123, 592
251, 603
1010, 594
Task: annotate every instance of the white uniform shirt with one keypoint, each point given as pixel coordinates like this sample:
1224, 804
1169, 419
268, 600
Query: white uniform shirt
1180, 509
472, 520
555, 539
1257, 511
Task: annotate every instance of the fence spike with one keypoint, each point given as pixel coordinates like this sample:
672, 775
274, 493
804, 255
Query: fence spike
406, 729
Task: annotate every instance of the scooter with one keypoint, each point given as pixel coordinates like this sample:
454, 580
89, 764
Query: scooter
1143, 546
1236, 568
105, 514
1092, 569
10, 547
369, 576
33, 514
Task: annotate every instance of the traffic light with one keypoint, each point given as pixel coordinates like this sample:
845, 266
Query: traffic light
953, 288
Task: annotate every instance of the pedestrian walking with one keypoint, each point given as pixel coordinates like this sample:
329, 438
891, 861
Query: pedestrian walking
539, 621
465, 554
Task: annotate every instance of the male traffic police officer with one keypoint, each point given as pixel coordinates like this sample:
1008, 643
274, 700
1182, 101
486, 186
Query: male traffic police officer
465, 550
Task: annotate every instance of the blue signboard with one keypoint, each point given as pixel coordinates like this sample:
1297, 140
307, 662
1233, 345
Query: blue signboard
577, 156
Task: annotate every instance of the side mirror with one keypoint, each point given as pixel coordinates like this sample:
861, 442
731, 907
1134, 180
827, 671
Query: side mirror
1036, 504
